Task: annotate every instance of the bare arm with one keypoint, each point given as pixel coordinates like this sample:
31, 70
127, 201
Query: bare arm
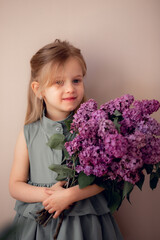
77, 194
18, 187
61, 199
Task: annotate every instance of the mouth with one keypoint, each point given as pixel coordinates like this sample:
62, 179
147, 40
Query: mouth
69, 99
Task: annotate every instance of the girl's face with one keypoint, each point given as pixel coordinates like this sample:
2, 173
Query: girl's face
66, 92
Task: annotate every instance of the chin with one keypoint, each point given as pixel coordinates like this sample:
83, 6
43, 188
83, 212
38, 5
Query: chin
70, 109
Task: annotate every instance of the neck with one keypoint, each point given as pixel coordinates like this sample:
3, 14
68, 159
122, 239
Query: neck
57, 117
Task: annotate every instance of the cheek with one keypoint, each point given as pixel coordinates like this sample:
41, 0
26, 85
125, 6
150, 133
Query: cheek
81, 90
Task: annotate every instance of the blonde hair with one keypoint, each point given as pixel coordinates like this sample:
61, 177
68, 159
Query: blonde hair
52, 55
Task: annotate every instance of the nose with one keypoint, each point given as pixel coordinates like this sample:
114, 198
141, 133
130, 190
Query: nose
69, 88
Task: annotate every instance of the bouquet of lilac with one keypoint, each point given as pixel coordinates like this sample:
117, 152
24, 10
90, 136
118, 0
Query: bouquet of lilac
112, 146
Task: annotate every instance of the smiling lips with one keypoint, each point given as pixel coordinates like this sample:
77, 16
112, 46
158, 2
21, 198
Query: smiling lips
69, 99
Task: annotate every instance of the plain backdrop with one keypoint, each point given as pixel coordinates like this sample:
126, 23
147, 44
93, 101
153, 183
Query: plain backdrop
120, 40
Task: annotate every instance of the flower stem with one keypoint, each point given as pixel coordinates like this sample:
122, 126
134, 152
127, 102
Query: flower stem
59, 226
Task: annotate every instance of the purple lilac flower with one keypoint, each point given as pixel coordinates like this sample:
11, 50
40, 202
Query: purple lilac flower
115, 145
83, 114
138, 139
149, 126
132, 177
106, 126
137, 117
113, 171
151, 151
90, 161
147, 106
103, 151
99, 170
131, 117
119, 104
133, 160
74, 145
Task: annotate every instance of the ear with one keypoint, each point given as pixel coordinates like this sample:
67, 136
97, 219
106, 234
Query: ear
35, 88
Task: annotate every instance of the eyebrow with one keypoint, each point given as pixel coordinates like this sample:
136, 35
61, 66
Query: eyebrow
78, 76
61, 77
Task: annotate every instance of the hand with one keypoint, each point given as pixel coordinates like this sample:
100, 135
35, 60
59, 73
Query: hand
58, 199
54, 187
57, 185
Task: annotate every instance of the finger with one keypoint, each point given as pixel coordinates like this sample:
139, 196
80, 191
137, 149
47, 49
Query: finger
57, 213
51, 210
61, 183
47, 207
45, 202
49, 191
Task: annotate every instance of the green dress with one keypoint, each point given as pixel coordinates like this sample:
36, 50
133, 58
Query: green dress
88, 219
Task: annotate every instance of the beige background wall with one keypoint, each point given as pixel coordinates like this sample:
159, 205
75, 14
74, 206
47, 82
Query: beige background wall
120, 40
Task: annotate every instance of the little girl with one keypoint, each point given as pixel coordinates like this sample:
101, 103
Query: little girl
56, 90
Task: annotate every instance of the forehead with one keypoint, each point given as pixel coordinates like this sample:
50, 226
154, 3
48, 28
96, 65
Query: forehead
71, 67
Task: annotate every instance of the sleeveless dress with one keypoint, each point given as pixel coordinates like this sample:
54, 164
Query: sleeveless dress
88, 219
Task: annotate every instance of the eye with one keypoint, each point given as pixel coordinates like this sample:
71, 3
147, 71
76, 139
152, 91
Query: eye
76, 81
59, 82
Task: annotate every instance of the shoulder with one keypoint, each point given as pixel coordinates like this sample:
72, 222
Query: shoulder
31, 130
32, 126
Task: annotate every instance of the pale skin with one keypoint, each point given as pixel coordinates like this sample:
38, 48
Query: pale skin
61, 98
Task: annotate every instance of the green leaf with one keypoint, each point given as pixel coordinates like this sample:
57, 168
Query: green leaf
140, 182
158, 172
66, 154
68, 124
56, 141
128, 187
115, 202
117, 125
149, 168
128, 197
70, 136
62, 171
157, 166
154, 177
117, 113
84, 180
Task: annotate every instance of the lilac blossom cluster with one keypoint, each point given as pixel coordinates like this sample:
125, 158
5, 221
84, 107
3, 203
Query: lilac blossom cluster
105, 151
